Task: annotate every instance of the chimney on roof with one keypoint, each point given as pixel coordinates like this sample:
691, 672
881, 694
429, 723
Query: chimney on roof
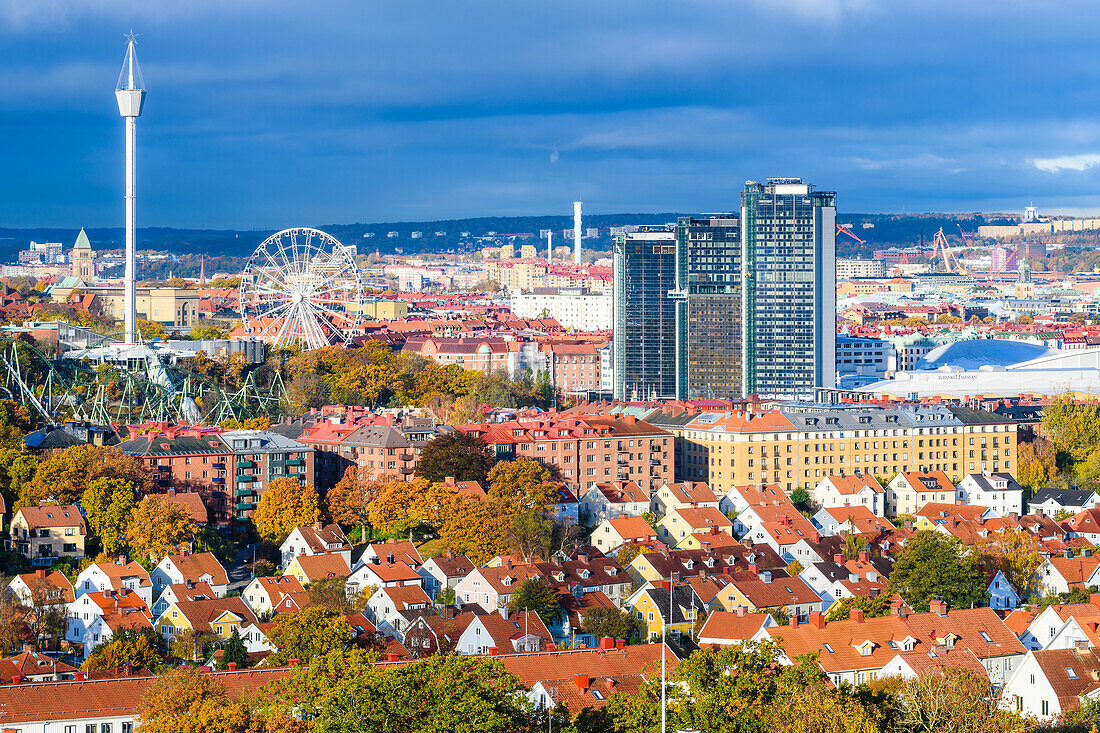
40, 573
838, 559
293, 662
793, 620
390, 558
938, 607
863, 556
856, 615
122, 559
79, 677
493, 651
29, 648
582, 681
393, 657
742, 611
620, 644
232, 666
817, 619
17, 679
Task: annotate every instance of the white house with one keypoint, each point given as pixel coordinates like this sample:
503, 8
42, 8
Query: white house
198, 567
255, 640
504, 633
1060, 574
845, 491
492, 587
315, 539
119, 575
391, 551
1052, 681
376, 574
263, 594
389, 608
1050, 501
89, 606
613, 499
611, 534
998, 491
182, 592
444, 572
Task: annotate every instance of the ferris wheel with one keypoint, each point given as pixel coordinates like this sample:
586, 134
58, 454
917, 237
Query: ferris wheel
302, 288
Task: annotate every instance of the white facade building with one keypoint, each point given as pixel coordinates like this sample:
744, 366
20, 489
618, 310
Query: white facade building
575, 308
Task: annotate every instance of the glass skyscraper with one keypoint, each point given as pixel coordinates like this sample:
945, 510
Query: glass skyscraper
722, 306
788, 250
645, 313
708, 315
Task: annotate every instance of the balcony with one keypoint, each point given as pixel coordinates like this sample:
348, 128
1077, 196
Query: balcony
219, 466
246, 478
654, 462
244, 492
218, 480
244, 464
242, 505
295, 462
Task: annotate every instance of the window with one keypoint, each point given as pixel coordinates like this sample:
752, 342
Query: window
1070, 673
1045, 707
89, 728
127, 728
105, 728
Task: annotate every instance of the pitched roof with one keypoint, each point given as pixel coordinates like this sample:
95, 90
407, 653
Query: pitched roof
316, 567
403, 596
200, 614
191, 502
937, 512
848, 485
55, 585
692, 492
1076, 570
703, 517
631, 528
322, 539
928, 481
193, 566
278, 586
729, 628
53, 516
118, 571
924, 660
31, 663
838, 644
1057, 664
978, 629
780, 590
1062, 497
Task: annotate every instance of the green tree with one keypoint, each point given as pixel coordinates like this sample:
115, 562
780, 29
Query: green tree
933, 565
538, 596
1073, 428
139, 647
311, 632
234, 652
957, 700
440, 694
601, 621
871, 607
286, 504
108, 503
458, 455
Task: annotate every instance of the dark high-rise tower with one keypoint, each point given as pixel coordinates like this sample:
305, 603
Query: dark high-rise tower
788, 251
708, 312
645, 314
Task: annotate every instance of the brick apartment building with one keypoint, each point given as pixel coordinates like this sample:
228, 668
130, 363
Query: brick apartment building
229, 468
586, 449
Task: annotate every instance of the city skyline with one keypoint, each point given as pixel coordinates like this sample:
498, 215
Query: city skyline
281, 115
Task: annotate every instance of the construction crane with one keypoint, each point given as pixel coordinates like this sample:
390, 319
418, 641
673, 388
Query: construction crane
841, 229
940, 248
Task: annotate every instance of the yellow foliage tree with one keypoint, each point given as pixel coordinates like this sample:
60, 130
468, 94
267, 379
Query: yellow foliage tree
159, 527
187, 700
286, 504
63, 477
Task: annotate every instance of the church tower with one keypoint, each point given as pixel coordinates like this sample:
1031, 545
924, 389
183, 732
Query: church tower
83, 258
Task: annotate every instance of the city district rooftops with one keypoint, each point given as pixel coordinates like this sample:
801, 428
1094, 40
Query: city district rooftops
856, 417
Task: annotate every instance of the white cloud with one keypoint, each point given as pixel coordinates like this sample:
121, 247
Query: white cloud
1079, 162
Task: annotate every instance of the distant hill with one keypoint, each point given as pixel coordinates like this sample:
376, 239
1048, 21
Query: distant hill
447, 234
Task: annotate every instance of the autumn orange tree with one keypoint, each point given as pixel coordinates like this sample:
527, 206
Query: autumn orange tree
286, 504
1017, 554
348, 502
158, 527
185, 700
64, 476
1036, 463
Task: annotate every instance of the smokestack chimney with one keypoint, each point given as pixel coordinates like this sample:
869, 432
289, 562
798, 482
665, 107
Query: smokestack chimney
577, 232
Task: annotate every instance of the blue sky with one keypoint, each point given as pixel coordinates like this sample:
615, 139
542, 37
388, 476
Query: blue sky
268, 113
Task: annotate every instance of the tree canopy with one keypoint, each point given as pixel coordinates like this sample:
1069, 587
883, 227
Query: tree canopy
933, 565
286, 504
458, 455
159, 527
538, 596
